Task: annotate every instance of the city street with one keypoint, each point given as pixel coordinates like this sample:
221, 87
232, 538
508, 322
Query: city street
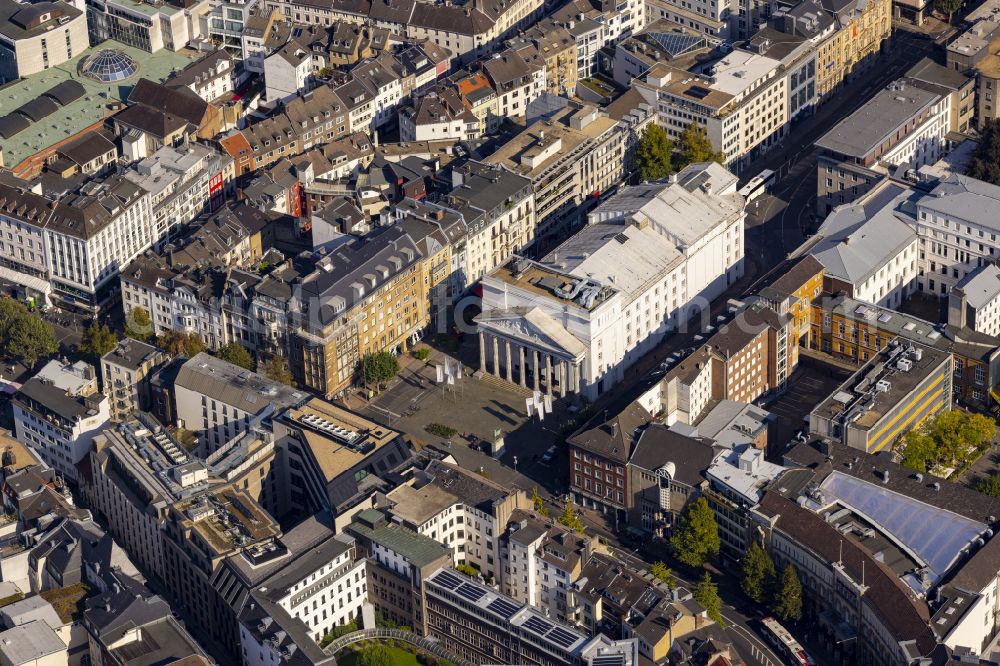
780, 221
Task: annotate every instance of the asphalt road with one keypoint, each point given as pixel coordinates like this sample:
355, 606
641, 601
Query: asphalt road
779, 222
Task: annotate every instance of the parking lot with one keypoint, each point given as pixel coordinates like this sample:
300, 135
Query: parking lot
812, 381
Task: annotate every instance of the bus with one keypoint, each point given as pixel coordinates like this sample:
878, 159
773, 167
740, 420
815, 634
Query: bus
758, 185
785, 644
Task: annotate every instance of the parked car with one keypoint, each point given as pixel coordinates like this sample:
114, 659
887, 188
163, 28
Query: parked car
549, 454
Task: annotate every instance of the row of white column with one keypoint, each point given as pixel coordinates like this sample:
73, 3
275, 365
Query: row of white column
559, 376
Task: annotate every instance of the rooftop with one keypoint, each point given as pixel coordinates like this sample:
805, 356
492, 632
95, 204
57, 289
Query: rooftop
981, 286
881, 384
337, 439
857, 240
418, 549
233, 385
878, 119
130, 353
742, 470
86, 110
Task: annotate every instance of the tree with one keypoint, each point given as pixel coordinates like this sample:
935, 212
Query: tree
654, 153
376, 654
985, 162
662, 573
920, 451
787, 602
950, 438
379, 367
422, 353
948, 7
236, 354
696, 539
758, 573
277, 369
176, 343
29, 338
569, 518
98, 340
695, 146
10, 311
706, 593
989, 485
539, 503
138, 324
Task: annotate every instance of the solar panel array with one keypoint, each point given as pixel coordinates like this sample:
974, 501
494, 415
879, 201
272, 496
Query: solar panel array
562, 638
471, 592
503, 607
537, 625
447, 580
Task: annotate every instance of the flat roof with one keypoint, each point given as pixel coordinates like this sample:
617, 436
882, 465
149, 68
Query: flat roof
85, 111
741, 70
890, 109
860, 387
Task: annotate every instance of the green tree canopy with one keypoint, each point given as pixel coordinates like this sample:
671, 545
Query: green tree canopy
989, 485
236, 354
985, 162
176, 343
662, 573
654, 153
787, 602
277, 369
379, 367
920, 451
569, 518
949, 438
538, 502
29, 338
695, 146
706, 593
758, 573
138, 324
98, 340
696, 538
948, 7
376, 654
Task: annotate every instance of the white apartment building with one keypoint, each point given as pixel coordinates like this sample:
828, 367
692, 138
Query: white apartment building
499, 210
226, 22
91, 234
460, 510
324, 589
287, 72
22, 245
975, 301
958, 224
432, 118
58, 412
183, 183
871, 253
651, 256
541, 561
218, 400
741, 101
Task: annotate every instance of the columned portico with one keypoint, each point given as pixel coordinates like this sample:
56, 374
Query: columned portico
554, 355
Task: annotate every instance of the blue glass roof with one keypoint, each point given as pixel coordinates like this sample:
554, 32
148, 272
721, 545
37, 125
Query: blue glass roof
676, 43
109, 65
935, 535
